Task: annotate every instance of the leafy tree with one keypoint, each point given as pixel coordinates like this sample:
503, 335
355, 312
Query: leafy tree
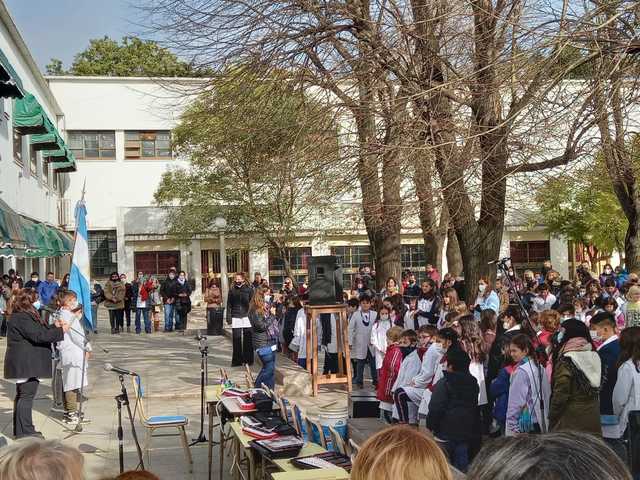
583, 208
132, 57
261, 154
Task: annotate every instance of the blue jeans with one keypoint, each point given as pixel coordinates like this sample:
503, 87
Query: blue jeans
358, 379
169, 313
145, 316
267, 373
458, 453
94, 316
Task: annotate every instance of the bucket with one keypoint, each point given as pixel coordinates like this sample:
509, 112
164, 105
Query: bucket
336, 418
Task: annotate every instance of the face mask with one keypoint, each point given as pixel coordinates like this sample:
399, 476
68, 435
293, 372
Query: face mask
511, 274
560, 335
607, 271
172, 276
482, 288
140, 277
384, 317
506, 325
34, 279
238, 284
595, 336
267, 298
181, 279
37, 305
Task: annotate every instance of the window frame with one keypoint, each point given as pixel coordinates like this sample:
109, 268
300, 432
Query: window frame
100, 149
412, 257
159, 273
18, 153
95, 241
345, 255
129, 145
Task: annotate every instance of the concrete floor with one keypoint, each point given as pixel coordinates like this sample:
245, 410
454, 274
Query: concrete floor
169, 365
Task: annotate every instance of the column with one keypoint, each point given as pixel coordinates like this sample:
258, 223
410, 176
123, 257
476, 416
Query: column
559, 253
196, 269
42, 268
224, 279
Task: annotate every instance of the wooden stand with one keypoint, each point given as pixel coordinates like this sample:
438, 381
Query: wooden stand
342, 339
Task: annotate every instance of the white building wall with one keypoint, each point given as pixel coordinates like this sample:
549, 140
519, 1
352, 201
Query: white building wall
117, 104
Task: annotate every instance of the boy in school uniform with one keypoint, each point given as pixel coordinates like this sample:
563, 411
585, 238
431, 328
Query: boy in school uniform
360, 325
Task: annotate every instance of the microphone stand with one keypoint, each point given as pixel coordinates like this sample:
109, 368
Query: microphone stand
123, 399
204, 374
504, 270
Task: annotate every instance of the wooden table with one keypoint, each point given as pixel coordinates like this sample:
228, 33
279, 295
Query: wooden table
316, 474
212, 398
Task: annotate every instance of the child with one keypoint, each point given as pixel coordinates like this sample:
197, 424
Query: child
410, 314
453, 408
446, 340
360, 325
389, 372
379, 335
407, 396
72, 350
631, 309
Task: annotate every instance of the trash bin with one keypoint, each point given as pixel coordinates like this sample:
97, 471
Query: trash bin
215, 318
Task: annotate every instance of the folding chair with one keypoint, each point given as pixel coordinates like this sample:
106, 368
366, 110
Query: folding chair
310, 432
296, 418
355, 448
337, 442
160, 421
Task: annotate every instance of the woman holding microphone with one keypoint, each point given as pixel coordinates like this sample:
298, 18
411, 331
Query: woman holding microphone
28, 356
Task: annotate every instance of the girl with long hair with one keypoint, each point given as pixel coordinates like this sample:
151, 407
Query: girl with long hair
428, 305
529, 390
449, 301
264, 329
28, 355
487, 298
626, 394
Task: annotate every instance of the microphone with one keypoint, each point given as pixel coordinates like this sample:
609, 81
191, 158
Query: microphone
500, 260
110, 368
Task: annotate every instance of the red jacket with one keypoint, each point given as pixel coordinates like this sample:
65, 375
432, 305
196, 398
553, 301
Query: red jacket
388, 373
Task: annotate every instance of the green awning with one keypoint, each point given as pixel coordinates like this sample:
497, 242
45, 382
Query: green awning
62, 160
9, 252
47, 141
10, 228
28, 116
10, 82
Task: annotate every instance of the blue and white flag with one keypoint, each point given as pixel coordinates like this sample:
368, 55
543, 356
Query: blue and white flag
80, 271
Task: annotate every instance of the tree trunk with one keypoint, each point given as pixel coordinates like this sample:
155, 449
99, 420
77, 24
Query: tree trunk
632, 246
454, 256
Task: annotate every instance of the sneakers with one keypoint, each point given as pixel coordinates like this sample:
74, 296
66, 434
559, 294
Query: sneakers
74, 418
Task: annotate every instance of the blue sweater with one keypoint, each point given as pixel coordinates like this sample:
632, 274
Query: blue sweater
47, 291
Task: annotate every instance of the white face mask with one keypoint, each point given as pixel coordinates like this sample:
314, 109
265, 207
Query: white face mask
594, 335
384, 317
482, 288
267, 298
506, 325
172, 276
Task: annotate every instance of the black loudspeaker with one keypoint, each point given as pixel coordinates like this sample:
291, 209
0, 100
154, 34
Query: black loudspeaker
325, 281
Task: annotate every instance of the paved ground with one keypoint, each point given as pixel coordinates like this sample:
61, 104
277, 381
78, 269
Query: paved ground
169, 365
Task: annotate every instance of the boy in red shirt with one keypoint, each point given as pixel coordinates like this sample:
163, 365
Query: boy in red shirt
389, 371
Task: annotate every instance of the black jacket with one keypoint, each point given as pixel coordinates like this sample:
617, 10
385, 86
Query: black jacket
183, 304
29, 347
609, 355
259, 326
453, 409
238, 301
168, 289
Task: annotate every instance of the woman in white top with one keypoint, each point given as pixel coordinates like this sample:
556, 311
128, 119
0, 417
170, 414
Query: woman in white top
299, 342
626, 394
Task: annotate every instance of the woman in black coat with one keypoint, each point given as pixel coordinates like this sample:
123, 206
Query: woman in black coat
28, 356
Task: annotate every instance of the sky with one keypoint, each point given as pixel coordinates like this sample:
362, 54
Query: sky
62, 28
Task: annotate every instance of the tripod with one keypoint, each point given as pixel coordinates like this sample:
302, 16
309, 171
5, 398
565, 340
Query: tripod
204, 375
503, 267
123, 399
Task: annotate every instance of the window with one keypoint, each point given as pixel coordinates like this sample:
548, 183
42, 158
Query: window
156, 263
529, 254
46, 177
237, 261
412, 258
351, 259
55, 181
93, 145
33, 161
17, 147
298, 260
103, 246
147, 144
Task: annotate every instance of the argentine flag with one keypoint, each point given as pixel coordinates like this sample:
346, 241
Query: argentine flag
80, 272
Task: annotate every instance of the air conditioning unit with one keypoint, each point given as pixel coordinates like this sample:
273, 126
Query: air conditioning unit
64, 212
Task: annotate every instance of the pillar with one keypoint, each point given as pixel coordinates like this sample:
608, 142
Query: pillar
559, 253
224, 279
196, 269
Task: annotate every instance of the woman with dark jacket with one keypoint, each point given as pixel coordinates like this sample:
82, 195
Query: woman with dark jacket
183, 301
576, 380
238, 300
428, 305
28, 356
264, 330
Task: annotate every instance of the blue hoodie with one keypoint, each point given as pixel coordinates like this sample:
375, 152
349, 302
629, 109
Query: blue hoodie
47, 291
